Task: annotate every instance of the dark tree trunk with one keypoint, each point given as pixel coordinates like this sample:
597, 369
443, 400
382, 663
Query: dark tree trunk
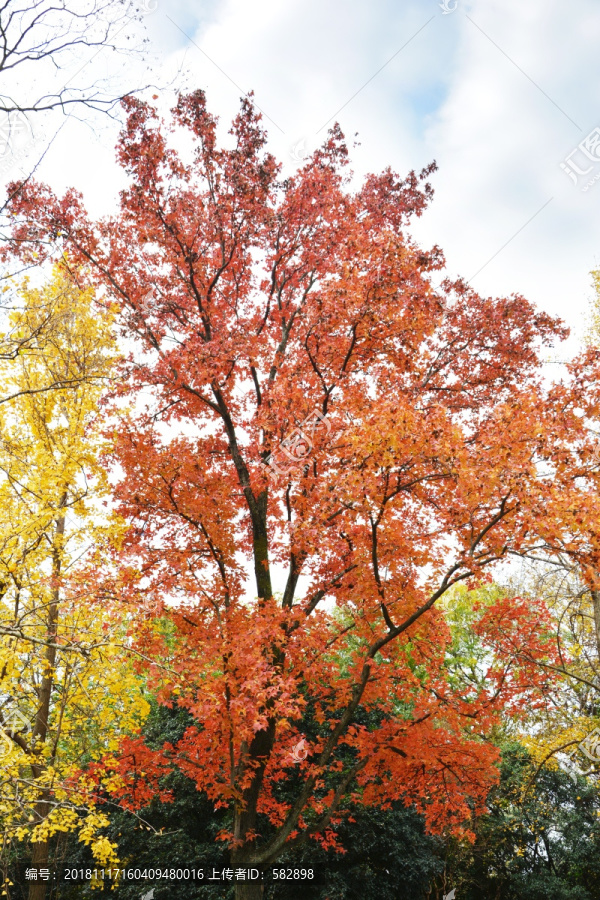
39, 860
40, 856
596, 600
251, 890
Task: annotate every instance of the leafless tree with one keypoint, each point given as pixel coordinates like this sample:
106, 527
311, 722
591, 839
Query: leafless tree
45, 46
49, 56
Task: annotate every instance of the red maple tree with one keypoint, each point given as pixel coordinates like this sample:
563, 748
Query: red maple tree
323, 443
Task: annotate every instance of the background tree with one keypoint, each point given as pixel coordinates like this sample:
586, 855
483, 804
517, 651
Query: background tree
30, 330
317, 426
63, 698
593, 326
538, 840
47, 55
44, 39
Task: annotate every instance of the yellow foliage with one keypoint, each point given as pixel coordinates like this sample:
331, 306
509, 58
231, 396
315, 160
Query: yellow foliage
67, 690
593, 329
557, 731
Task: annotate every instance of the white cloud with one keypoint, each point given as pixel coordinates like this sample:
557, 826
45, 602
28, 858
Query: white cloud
449, 94
499, 142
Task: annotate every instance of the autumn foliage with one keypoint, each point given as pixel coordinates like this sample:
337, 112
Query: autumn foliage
288, 581
60, 659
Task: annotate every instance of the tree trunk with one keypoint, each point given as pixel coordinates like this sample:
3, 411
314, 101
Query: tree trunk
252, 890
596, 600
39, 860
41, 849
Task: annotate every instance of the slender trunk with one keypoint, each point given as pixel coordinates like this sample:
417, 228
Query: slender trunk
40, 856
41, 849
245, 818
260, 540
596, 600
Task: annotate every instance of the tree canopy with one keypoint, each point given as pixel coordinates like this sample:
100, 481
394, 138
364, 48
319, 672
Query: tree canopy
324, 438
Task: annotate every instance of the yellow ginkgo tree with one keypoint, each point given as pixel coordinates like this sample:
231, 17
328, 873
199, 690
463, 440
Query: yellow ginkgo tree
67, 689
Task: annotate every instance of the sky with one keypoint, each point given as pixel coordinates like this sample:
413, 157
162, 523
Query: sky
503, 94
